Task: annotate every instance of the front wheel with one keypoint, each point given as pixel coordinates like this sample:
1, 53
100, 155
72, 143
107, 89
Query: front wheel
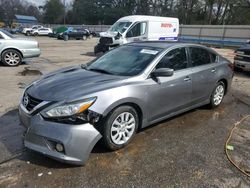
217, 95
120, 127
11, 58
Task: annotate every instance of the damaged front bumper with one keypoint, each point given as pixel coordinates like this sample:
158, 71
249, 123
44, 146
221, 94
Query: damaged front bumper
75, 141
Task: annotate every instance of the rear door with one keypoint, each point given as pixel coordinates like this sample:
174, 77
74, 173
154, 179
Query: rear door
204, 73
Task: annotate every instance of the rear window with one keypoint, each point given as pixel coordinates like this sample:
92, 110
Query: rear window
199, 56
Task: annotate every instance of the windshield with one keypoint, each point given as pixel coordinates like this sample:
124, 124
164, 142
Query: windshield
7, 33
120, 27
125, 60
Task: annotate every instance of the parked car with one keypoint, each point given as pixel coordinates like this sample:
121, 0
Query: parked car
242, 57
57, 31
13, 49
74, 33
28, 30
138, 28
131, 87
41, 32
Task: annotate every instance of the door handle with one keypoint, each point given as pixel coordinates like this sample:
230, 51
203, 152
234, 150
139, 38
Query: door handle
187, 79
213, 70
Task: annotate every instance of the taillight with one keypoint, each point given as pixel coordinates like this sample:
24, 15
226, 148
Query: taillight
231, 66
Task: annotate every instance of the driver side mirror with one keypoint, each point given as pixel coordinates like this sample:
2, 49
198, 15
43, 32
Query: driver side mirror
163, 72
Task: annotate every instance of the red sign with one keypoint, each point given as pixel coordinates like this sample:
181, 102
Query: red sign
167, 25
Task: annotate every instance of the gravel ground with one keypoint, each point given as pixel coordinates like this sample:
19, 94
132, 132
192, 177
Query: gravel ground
184, 151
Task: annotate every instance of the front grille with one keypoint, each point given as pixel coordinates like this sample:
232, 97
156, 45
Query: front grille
106, 40
30, 102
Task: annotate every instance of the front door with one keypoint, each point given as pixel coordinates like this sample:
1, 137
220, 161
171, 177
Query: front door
167, 95
138, 32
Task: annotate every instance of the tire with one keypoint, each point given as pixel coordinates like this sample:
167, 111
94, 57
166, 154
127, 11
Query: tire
217, 95
27, 33
116, 134
90, 36
65, 37
84, 37
35, 34
11, 58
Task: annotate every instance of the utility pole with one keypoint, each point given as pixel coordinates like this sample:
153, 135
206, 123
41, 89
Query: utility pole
64, 13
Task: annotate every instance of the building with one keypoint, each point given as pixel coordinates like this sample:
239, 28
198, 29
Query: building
24, 20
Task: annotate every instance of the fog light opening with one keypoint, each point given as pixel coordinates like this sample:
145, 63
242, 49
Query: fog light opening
59, 147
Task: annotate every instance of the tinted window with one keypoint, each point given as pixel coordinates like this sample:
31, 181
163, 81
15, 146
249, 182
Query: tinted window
199, 56
175, 59
125, 60
1, 37
137, 30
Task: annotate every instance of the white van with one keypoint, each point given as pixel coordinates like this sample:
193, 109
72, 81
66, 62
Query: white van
138, 28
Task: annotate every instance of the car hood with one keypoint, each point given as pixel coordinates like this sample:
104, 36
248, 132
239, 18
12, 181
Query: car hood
108, 34
72, 83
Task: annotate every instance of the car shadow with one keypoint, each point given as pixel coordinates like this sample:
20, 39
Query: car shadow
241, 73
11, 135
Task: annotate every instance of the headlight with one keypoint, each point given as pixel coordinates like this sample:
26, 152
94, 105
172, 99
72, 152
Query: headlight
71, 108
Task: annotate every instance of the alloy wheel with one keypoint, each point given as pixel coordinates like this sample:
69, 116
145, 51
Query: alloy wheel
12, 58
218, 94
123, 128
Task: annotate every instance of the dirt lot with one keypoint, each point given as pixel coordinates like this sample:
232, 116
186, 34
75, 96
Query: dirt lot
185, 151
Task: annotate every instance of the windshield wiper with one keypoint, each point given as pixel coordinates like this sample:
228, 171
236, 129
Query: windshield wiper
99, 70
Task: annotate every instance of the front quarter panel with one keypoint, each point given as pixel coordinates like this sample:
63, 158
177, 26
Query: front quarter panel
109, 99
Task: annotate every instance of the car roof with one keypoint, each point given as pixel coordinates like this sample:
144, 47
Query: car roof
162, 44
166, 44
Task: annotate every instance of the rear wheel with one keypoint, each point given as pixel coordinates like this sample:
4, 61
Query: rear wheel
120, 127
11, 58
65, 37
84, 37
90, 36
217, 95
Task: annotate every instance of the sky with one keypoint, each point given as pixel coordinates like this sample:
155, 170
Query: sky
42, 2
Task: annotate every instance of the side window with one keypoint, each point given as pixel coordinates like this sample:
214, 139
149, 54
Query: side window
213, 57
138, 29
199, 56
175, 59
1, 37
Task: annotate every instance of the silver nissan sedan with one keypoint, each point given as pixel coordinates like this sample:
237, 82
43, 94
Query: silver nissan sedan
14, 49
131, 87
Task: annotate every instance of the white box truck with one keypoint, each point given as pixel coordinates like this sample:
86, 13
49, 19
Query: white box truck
138, 28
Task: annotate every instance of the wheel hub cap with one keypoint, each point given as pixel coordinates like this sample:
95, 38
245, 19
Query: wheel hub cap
218, 95
122, 128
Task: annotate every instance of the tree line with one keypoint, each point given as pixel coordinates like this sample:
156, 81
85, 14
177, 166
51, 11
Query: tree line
108, 11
